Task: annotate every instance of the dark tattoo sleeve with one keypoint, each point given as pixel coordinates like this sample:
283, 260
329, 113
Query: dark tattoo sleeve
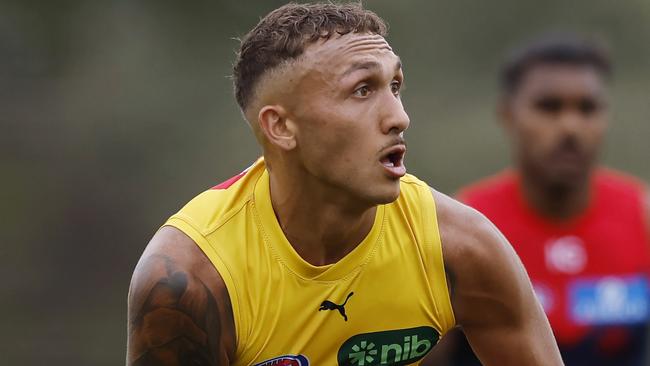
173, 317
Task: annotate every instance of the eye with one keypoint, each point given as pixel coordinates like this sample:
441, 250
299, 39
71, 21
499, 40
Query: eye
396, 86
549, 105
588, 106
362, 91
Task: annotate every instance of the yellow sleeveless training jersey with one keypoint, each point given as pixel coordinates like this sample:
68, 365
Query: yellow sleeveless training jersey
385, 303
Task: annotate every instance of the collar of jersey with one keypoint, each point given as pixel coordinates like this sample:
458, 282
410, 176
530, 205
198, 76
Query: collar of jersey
284, 251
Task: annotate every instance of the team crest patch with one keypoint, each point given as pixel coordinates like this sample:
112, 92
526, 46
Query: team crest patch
288, 360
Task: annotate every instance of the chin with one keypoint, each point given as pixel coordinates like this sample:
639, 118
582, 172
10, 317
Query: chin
568, 178
385, 197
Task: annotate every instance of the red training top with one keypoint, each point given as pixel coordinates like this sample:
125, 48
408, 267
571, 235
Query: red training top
588, 272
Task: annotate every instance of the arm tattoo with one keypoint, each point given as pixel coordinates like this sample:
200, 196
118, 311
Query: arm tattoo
173, 318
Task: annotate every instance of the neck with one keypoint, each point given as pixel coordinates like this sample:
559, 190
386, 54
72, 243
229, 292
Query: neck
322, 223
556, 201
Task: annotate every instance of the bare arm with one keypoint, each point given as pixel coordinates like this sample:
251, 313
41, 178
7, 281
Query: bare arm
492, 296
179, 312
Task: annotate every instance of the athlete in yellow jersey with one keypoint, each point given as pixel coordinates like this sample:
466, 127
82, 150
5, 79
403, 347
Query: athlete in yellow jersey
325, 252
389, 291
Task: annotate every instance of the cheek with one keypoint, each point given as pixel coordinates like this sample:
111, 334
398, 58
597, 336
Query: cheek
532, 130
596, 133
536, 125
533, 139
330, 146
340, 135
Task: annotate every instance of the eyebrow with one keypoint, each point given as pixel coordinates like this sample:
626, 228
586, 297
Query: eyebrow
369, 65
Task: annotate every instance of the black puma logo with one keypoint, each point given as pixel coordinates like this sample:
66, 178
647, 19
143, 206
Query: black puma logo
328, 305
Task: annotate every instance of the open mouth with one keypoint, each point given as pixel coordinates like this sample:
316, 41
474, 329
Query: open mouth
393, 161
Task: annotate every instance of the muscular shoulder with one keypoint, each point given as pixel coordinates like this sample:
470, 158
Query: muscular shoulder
179, 308
465, 232
491, 295
477, 257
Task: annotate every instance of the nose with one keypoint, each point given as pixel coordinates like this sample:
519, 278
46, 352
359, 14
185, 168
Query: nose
571, 122
394, 119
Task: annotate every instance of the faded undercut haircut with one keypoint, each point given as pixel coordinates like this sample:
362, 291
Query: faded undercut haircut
554, 48
283, 35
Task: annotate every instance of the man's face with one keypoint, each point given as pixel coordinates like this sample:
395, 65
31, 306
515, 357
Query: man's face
350, 116
556, 120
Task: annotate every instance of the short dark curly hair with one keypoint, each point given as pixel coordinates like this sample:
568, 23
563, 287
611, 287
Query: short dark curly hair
283, 34
554, 48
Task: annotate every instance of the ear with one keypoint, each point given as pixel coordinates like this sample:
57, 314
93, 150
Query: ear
276, 127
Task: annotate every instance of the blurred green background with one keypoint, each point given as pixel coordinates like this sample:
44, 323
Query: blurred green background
114, 113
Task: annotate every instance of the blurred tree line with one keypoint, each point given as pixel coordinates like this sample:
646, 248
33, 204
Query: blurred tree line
114, 113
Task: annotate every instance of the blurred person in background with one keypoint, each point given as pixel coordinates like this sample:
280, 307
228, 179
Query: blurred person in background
325, 251
581, 230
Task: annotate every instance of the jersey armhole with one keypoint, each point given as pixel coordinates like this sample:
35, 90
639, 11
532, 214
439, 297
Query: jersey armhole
440, 290
221, 267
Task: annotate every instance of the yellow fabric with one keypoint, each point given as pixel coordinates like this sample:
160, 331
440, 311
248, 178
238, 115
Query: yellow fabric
396, 275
